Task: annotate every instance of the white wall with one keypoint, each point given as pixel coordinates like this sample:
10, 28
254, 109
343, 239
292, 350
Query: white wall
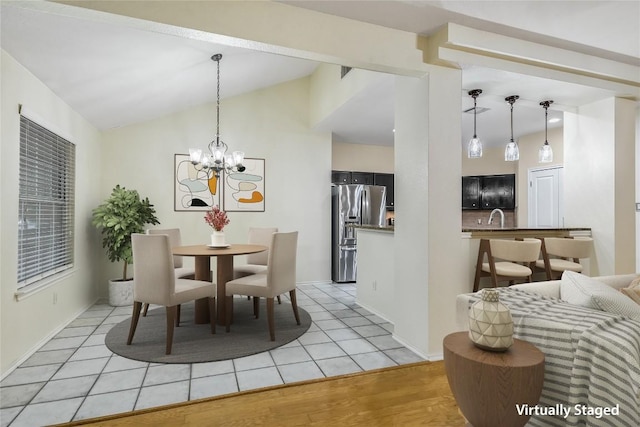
28, 323
491, 163
362, 157
273, 124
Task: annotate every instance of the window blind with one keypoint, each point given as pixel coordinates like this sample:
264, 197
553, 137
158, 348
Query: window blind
46, 203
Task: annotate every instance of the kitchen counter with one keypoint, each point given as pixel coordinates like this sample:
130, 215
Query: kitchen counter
486, 232
388, 228
375, 281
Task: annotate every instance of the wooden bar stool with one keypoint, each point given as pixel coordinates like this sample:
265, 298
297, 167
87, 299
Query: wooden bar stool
506, 260
561, 254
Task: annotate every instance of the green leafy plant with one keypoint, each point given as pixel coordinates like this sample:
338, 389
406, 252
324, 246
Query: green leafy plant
123, 213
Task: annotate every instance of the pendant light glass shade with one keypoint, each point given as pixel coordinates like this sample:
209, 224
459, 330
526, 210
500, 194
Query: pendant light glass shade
511, 152
474, 149
545, 153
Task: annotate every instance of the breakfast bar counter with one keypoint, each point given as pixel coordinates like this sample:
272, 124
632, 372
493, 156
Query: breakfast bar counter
497, 233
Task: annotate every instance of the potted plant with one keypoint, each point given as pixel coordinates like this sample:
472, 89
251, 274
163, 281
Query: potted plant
123, 213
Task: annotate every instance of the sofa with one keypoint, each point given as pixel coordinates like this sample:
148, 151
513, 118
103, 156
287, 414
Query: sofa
592, 357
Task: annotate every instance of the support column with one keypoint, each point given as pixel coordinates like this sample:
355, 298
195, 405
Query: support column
599, 181
428, 274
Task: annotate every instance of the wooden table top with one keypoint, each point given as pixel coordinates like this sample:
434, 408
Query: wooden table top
204, 250
520, 354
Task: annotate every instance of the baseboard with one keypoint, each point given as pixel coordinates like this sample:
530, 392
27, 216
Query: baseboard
45, 340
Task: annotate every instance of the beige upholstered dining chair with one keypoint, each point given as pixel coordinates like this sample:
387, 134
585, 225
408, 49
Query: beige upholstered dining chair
280, 277
506, 260
155, 283
256, 263
562, 254
175, 239
181, 272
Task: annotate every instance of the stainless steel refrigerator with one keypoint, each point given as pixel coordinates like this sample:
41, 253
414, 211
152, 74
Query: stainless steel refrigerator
352, 204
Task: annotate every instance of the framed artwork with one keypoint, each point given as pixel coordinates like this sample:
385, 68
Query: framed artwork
193, 189
244, 191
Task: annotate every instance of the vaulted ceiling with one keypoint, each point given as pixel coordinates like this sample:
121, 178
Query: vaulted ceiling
116, 74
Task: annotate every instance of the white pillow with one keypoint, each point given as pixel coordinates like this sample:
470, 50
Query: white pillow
578, 289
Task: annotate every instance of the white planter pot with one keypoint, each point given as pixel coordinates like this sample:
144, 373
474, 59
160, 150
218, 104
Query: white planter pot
120, 292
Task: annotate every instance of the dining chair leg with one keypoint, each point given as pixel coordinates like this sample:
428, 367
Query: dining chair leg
145, 308
256, 307
212, 314
228, 304
134, 320
171, 319
178, 316
270, 320
294, 304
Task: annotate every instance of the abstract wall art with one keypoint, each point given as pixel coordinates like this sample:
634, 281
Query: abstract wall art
244, 191
193, 189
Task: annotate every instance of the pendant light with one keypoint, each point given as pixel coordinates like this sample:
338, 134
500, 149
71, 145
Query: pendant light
217, 160
545, 154
474, 149
511, 152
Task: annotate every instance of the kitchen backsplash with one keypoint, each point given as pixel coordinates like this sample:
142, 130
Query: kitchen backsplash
470, 219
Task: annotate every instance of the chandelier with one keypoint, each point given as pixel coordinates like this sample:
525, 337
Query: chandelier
217, 160
545, 154
511, 152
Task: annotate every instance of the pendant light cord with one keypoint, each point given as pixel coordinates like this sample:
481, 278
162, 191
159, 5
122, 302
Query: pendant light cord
512, 122
511, 100
546, 140
218, 104
475, 135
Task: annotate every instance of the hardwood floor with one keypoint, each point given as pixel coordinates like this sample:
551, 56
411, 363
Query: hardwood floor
406, 395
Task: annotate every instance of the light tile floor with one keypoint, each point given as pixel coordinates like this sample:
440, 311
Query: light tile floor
74, 376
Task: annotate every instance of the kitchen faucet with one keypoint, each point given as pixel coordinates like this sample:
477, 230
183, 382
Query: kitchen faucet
501, 217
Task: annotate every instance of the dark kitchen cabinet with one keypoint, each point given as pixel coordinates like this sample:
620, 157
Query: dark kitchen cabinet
348, 177
386, 180
365, 178
340, 177
471, 192
489, 192
498, 191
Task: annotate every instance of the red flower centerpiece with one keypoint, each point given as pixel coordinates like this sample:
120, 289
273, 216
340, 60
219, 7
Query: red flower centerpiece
217, 219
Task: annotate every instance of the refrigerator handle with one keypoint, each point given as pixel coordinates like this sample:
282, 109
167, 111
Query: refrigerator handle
366, 210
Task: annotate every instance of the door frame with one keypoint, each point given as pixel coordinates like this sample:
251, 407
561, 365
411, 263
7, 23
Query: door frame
530, 171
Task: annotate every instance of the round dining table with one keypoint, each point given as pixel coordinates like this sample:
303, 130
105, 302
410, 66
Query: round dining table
224, 273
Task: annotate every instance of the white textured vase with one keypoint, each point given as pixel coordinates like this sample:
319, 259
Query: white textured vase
490, 323
217, 238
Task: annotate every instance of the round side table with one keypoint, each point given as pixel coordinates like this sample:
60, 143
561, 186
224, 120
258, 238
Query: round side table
487, 385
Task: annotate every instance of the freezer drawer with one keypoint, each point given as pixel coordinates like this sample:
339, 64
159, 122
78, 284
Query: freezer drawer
344, 267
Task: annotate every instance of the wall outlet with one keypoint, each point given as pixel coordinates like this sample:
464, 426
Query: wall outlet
55, 298
375, 285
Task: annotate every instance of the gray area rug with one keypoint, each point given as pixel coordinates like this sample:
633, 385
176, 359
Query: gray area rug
194, 343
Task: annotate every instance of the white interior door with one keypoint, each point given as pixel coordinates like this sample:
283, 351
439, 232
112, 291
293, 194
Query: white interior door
545, 201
